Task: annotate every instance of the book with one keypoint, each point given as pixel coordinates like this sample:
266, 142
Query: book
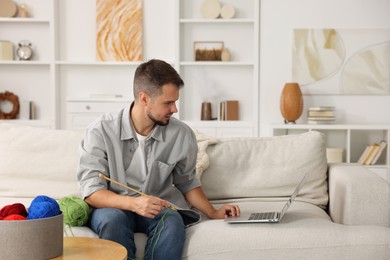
322, 122
324, 113
317, 118
221, 112
228, 110
371, 153
364, 154
382, 146
24, 111
33, 111
231, 110
321, 108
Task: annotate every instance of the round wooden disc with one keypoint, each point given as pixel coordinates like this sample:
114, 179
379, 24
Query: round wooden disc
227, 12
8, 8
210, 9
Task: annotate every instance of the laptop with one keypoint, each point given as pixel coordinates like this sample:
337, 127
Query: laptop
267, 217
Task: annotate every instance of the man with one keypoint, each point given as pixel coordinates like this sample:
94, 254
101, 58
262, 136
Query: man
145, 148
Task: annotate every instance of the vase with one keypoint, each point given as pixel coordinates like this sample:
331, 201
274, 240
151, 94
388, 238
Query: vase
206, 111
291, 103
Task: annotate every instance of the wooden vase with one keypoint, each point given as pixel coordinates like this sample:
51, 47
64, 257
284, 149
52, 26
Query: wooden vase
206, 111
291, 102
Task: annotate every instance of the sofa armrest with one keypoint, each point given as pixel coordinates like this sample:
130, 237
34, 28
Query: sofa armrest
358, 196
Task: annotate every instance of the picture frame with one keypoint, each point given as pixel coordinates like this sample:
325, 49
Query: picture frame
208, 50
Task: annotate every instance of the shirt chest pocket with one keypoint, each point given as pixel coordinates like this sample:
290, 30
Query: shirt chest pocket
159, 178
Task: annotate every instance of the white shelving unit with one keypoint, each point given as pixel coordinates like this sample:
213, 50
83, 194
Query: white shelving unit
64, 72
33, 80
352, 138
210, 81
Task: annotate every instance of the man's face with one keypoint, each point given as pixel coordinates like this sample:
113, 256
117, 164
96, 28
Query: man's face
162, 107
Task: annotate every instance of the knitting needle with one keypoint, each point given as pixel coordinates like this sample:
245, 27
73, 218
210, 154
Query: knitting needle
127, 187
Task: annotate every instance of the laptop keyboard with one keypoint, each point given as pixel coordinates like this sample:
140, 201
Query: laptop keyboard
262, 216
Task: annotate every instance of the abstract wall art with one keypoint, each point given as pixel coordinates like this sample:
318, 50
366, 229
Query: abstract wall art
119, 30
342, 61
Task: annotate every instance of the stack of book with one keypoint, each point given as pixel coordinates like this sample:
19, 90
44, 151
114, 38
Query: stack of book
228, 110
321, 115
372, 153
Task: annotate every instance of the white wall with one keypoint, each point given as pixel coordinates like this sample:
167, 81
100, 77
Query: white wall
278, 18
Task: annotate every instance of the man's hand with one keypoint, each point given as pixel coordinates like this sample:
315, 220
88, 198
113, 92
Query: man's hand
149, 206
198, 199
225, 211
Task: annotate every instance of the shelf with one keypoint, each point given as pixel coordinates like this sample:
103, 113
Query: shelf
215, 63
23, 20
97, 63
64, 71
35, 79
24, 63
218, 81
216, 21
227, 123
330, 126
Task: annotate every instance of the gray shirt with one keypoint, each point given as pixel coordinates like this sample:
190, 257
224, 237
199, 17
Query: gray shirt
109, 146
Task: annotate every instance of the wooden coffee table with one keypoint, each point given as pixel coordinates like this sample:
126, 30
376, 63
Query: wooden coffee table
92, 248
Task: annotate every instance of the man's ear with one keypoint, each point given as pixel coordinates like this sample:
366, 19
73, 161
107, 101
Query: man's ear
143, 98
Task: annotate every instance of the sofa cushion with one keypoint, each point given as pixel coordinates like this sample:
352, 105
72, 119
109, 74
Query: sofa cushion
268, 167
305, 232
37, 161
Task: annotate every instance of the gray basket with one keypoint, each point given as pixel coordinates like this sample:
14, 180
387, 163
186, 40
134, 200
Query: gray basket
32, 239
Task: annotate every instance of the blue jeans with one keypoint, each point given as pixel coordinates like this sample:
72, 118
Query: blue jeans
165, 232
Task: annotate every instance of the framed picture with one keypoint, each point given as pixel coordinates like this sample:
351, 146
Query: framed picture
208, 51
342, 61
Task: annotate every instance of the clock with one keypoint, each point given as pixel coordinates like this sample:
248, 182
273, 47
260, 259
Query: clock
24, 50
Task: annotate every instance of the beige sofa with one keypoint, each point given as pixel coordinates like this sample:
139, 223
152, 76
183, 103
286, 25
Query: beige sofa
342, 212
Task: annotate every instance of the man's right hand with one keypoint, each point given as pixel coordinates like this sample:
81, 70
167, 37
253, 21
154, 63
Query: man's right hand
149, 206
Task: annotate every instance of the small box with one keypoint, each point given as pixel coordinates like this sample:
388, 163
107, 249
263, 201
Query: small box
32, 239
334, 155
6, 50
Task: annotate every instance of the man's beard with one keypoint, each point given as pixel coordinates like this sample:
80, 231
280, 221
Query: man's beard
157, 122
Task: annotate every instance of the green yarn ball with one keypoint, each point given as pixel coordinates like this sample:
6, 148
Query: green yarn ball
76, 210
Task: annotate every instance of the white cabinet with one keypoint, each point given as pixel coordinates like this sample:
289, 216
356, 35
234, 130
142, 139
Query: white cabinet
32, 80
216, 81
81, 112
353, 139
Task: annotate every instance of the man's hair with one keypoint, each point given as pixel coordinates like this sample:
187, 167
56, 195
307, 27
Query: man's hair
152, 75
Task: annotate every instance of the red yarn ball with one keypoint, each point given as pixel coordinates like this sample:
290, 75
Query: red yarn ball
15, 217
17, 208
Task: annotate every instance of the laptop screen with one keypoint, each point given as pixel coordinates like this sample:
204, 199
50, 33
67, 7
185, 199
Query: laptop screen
292, 198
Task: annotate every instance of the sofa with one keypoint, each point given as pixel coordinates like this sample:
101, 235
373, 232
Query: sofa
342, 212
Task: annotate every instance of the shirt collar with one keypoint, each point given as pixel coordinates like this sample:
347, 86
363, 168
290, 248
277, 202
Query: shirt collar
128, 131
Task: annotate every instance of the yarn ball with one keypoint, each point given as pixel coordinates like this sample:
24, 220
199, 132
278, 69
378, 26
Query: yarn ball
43, 207
16, 208
76, 210
15, 217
